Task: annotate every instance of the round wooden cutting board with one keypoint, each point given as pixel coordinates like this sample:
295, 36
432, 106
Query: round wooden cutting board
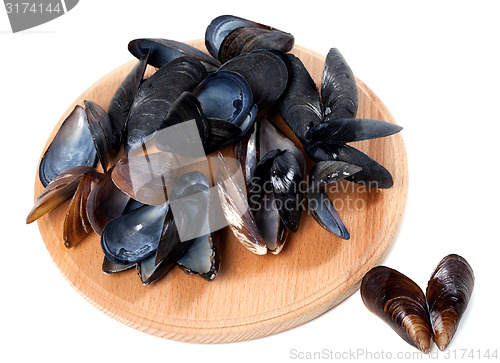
252, 296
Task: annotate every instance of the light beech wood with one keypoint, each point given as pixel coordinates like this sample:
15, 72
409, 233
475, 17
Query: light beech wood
253, 296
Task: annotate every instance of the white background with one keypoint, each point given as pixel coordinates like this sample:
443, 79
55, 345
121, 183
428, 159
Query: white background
434, 64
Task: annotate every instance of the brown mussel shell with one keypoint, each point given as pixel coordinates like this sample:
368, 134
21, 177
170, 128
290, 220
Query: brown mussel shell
58, 191
448, 294
105, 203
76, 223
235, 207
398, 301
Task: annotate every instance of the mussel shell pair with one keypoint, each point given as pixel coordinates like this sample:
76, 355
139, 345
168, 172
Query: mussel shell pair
83, 139
76, 184
228, 36
400, 302
272, 169
148, 236
325, 124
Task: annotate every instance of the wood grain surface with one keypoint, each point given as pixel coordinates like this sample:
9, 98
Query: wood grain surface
253, 296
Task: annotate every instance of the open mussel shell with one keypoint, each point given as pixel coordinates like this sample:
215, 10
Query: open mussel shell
320, 206
372, 175
339, 92
448, 293
246, 39
300, 105
58, 191
265, 72
122, 100
201, 258
225, 95
105, 203
162, 51
134, 236
72, 146
109, 267
155, 96
349, 130
76, 223
399, 302
101, 130
231, 186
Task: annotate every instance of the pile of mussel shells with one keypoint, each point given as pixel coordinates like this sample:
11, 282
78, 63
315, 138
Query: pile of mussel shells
228, 97
416, 317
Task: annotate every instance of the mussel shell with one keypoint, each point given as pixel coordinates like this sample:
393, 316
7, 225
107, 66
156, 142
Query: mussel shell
201, 258
246, 39
76, 223
235, 207
246, 152
349, 130
326, 172
185, 108
266, 203
323, 211
169, 240
225, 95
270, 137
58, 191
134, 236
249, 120
319, 204
220, 27
146, 178
300, 105
72, 146
157, 93
265, 72
150, 272
122, 100
105, 203
100, 128
260, 181
286, 177
163, 51
109, 267
400, 303
132, 205
339, 92
372, 174
221, 133
448, 293
270, 223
